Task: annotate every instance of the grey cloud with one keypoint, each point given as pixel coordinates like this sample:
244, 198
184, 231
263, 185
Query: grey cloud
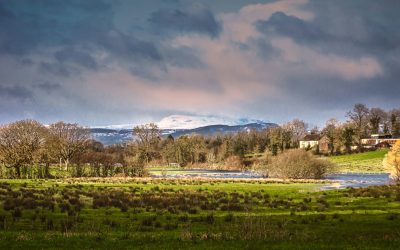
29, 27
146, 72
79, 29
78, 57
15, 92
36, 24
183, 56
366, 23
292, 26
55, 69
341, 27
60, 39
48, 87
26, 62
195, 18
352, 29
262, 47
129, 47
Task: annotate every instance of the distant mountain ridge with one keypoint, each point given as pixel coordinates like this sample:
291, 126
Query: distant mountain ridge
223, 129
193, 122
178, 125
189, 122
109, 136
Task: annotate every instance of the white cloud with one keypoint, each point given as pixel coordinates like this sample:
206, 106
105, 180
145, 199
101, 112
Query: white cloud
303, 60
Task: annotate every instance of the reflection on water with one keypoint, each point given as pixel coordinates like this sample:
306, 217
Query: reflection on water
339, 180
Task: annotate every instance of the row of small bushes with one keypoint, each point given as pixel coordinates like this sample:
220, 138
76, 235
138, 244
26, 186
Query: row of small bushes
46, 172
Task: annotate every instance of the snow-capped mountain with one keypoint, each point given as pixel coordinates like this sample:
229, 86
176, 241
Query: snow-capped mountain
191, 121
174, 122
178, 125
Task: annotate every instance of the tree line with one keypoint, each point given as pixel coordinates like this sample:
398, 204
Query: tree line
362, 123
28, 149
233, 149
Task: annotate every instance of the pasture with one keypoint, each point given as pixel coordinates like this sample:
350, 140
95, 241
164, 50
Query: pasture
367, 162
146, 213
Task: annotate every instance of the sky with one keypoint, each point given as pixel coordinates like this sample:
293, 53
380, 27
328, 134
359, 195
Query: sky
99, 62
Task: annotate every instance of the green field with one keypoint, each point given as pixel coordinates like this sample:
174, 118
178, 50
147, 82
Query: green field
195, 214
368, 162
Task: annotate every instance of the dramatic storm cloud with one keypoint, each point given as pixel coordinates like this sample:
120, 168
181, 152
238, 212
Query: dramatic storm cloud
112, 62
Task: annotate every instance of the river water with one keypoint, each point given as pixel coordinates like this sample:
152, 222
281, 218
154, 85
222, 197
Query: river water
357, 180
339, 181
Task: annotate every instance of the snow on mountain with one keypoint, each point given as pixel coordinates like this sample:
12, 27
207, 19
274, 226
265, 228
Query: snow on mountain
117, 127
188, 122
178, 125
191, 122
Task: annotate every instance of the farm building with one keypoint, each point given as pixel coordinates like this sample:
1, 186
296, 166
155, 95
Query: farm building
379, 140
312, 141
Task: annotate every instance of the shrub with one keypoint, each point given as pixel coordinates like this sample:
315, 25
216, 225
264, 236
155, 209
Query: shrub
233, 163
3, 218
16, 213
392, 217
50, 224
183, 218
170, 226
136, 167
210, 218
147, 222
229, 218
298, 164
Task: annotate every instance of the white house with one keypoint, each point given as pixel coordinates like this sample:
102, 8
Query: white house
310, 141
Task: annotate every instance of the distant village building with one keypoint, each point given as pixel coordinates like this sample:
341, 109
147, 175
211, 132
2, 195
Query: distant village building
322, 144
379, 141
316, 141
310, 141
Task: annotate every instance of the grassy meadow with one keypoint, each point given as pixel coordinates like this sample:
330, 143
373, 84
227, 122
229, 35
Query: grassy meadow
200, 213
367, 162
145, 213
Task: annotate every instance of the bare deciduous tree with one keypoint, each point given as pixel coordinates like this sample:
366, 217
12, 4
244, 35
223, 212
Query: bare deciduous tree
331, 131
359, 117
298, 129
395, 121
376, 117
68, 140
20, 144
148, 137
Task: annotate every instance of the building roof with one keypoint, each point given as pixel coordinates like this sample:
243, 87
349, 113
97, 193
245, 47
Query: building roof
311, 137
381, 136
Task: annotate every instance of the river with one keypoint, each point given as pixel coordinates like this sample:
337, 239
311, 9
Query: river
339, 181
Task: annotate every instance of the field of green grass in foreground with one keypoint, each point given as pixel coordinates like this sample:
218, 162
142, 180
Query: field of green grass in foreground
368, 162
195, 214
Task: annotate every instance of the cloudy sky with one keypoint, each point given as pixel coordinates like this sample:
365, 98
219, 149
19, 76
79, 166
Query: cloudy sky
112, 62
